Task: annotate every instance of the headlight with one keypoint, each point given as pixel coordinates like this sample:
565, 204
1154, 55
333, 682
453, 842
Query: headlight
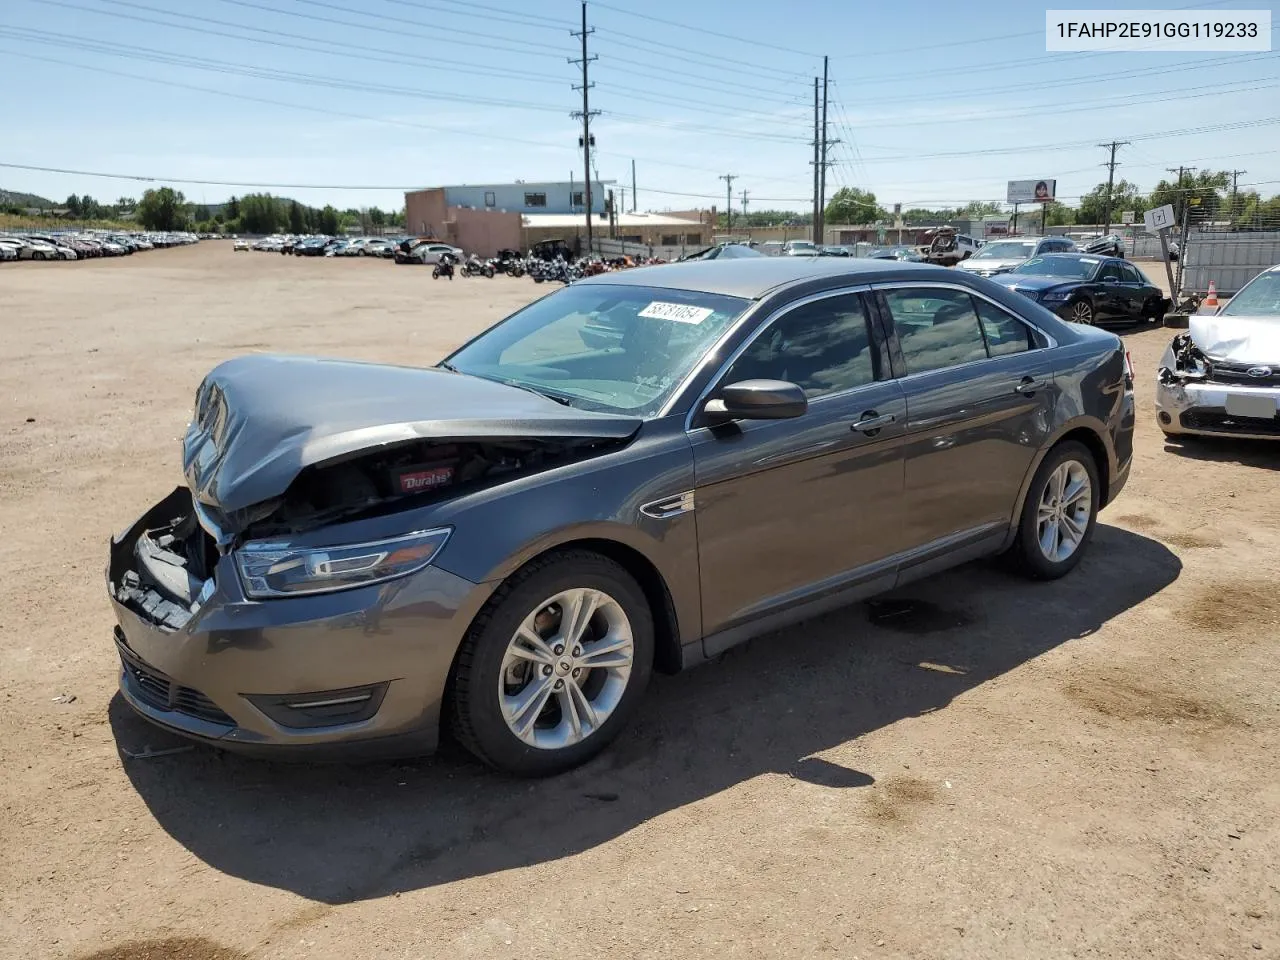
276, 569
1055, 295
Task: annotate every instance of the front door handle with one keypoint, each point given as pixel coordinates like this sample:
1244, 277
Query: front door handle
1029, 385
872, 422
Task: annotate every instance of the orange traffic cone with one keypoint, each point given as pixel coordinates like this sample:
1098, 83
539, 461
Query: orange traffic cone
1212, 299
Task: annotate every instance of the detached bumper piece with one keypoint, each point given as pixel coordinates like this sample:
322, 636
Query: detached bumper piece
159, 692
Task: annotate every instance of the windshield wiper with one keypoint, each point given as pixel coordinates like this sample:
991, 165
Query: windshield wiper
446, 365
559, 398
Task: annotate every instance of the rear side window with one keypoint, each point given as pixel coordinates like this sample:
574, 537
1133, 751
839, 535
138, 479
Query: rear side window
936, 328
1004, 332
1132, 274
824, 346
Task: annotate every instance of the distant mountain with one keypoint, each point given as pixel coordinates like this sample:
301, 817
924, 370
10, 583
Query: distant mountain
11, 198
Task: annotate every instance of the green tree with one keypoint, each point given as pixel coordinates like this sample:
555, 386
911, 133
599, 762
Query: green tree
1124, 196
125, 204
233, 209
201, 214
259, 213
328, 222
296, 224
377, 217
73, 206
977, 209
1204, 186
1059, 214
162, 209
851, 205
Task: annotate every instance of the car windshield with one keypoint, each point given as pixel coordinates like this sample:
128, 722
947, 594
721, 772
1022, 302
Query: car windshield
1079, 268
1006, 250
613, 348
1259, 298
802, 245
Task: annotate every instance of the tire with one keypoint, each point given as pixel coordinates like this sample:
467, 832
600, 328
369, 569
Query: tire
37, 255
1030, 557
1081, 311
488, 272
435, 273
486, 675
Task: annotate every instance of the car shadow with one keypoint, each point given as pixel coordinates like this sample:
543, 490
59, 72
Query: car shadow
1264, 454
338, 834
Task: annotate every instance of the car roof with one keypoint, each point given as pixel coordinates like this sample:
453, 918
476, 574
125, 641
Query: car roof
754, 277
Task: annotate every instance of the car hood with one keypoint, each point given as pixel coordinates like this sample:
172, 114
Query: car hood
976, 265
260, 419
1237, 339
1031, 281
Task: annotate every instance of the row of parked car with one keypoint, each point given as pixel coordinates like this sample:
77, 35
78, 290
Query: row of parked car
401, 249
83, 246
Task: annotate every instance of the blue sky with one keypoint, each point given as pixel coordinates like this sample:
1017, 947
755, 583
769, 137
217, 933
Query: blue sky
933, 102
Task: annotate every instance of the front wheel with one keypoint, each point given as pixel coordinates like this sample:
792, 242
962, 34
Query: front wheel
553, 666
1081, 312
435, 273
488, 272
37, 255
1059, 514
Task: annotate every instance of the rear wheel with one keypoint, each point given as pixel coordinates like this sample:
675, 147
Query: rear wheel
553, 666
1081, 311
1059, 514
37, 255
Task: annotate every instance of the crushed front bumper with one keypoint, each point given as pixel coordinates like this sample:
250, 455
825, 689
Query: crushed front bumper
358, 672
1207, 408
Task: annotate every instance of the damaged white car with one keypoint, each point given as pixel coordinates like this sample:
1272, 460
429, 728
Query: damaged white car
1222, 377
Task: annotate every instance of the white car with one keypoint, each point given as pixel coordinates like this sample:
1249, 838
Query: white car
431, 252
7, 252
41, 250
1001, 256
240, 245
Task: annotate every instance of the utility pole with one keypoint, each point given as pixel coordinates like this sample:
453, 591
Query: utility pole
622, 207
744, 207
1111, 178
728, 179
822, 174
586, 140
1235, 175
817, 237
633, 186
1182, 198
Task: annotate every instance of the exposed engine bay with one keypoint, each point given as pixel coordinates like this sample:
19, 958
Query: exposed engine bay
407, 475
1183, 360
169, 571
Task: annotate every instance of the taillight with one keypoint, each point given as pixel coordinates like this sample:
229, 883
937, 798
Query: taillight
1128, 371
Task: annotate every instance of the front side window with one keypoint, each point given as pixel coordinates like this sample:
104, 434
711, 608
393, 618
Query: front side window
1132, 274
1109, 271
824, 346
620, 349
936, 328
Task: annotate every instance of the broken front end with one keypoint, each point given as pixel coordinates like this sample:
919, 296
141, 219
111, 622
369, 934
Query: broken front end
1202, 395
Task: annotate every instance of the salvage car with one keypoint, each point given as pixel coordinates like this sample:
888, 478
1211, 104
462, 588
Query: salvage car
508, 544
1222, 377
1001, 256
1088, 289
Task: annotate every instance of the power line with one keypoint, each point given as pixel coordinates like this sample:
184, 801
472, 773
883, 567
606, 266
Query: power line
711, 33
662, 48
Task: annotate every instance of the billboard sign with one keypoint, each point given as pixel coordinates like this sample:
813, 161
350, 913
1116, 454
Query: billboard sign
1127, 217
1032, 191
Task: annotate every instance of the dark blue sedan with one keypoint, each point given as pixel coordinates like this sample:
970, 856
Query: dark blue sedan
1084, 288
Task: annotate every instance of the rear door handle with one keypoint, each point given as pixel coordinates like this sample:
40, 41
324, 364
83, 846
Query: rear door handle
1029, 385
872, 422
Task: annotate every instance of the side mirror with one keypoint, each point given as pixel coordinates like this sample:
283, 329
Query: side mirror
758, 400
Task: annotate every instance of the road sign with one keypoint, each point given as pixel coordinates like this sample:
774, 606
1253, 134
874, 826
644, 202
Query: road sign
1161, 218
1127, 217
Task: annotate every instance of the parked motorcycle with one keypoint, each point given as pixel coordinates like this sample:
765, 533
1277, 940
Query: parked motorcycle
475, 267
444, 267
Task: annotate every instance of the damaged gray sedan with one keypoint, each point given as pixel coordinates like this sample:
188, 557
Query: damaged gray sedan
632, 474
1222, 377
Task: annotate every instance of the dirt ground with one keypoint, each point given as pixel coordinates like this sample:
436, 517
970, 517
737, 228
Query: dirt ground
1087, 768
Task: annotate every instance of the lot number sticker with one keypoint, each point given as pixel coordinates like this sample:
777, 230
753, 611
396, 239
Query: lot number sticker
679, 312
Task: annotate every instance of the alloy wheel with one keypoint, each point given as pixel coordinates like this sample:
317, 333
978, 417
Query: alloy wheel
566, 668
1062, 518
1081, 312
